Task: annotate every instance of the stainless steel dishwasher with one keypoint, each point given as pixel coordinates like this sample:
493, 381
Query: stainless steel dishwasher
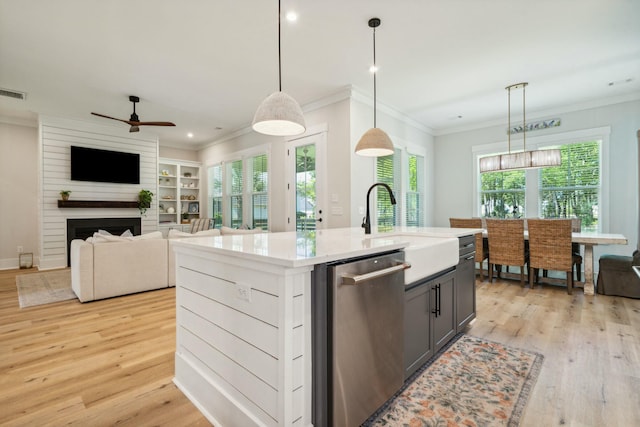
367, 322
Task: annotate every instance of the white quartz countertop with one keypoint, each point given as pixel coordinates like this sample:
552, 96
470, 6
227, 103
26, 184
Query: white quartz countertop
298, 249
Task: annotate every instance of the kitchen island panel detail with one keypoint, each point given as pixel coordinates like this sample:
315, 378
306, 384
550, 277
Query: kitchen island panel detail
250, 348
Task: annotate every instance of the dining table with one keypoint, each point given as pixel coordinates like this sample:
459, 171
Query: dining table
588, 240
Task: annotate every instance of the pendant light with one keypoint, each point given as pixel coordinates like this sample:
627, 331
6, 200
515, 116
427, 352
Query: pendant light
375, 142
520, 160
279, 114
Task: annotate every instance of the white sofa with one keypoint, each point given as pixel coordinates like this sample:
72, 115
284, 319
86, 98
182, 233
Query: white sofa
109, 266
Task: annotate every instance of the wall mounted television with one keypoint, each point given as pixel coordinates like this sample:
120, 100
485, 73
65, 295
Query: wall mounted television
91, 164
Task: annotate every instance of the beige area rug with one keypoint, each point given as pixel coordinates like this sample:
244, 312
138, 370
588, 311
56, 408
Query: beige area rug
472, 383
44, 288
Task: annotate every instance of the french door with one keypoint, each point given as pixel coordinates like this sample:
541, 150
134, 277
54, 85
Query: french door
305, 183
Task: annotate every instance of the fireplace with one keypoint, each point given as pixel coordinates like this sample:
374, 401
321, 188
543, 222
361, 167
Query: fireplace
81, 228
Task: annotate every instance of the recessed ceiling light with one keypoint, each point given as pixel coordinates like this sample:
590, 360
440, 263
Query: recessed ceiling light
189, 135
373, 69
292, 16
619, 82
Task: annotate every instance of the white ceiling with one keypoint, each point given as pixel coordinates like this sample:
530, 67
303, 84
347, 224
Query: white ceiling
204, 64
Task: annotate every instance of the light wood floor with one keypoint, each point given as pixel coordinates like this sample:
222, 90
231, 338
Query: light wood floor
110, 362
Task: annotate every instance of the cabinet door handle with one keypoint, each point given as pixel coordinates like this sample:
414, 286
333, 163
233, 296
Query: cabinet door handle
436, 301
439, 301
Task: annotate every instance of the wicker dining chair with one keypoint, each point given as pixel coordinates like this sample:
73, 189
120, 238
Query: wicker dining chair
506, 245
576, 227
482, 248
550, 248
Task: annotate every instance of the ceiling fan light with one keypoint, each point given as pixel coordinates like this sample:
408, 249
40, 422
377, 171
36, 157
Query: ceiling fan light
279, 115
374, 143
134, 129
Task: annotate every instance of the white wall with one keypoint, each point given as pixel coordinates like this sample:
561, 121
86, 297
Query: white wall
454, 168
346, 117
403, 132
57, 135
19, 224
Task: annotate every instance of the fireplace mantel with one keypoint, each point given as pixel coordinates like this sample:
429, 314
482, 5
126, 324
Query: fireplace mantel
96, 204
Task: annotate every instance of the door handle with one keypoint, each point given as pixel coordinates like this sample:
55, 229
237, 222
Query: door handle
437, 302
356, 279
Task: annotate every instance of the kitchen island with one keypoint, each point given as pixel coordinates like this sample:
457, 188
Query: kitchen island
244, 314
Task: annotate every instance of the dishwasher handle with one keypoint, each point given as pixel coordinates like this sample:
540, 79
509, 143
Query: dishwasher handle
355, 279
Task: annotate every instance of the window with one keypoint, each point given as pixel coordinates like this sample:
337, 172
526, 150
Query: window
571, 190
259, 196
404, 173
415, 216
239, 192
215, 194
234, 193
502, 194
386, 171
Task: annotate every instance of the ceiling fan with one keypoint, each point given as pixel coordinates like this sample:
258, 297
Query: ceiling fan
134, 121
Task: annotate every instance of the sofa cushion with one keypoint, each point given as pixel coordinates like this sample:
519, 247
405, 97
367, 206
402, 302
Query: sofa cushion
228, 230
175, 234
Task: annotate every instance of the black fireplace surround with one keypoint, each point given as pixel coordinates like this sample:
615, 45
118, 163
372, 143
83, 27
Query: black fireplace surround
81, 228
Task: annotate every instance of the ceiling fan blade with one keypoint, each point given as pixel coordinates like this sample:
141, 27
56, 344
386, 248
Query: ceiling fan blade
155, 124
112, 118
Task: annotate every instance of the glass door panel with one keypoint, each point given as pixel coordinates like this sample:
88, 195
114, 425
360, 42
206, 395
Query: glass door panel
306, 187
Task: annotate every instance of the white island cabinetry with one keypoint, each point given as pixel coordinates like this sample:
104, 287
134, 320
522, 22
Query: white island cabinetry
243, 320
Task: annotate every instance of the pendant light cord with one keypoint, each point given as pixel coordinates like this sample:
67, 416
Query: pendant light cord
279, 53
509, 118
524, 118
375, 71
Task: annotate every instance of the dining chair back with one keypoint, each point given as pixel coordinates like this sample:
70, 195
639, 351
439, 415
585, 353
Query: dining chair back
550, 248
482, 248
200, 224
506, 245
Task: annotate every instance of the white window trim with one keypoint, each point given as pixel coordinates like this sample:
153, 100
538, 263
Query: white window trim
405, 150
242, 155
557, 139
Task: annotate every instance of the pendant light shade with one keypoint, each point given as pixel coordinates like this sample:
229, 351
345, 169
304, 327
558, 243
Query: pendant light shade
375, 142
279, 114
520, 160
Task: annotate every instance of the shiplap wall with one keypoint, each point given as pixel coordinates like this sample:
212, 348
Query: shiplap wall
57, 136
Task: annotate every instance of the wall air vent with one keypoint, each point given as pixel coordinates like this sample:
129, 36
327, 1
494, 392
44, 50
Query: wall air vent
13, 94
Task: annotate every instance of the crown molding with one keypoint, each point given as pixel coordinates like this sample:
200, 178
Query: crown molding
545, 114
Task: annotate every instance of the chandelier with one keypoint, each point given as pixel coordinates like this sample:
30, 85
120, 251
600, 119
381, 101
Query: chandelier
524, 159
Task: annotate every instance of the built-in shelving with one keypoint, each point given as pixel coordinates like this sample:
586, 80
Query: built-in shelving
178, 191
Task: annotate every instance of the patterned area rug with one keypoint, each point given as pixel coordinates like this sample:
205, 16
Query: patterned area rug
474, 382
44, 288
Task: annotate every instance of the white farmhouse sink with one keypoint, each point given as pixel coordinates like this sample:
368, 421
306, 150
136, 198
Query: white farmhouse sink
428, 255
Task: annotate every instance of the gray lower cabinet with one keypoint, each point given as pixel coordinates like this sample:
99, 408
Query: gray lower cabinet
438, 308
466, 284
429, 319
